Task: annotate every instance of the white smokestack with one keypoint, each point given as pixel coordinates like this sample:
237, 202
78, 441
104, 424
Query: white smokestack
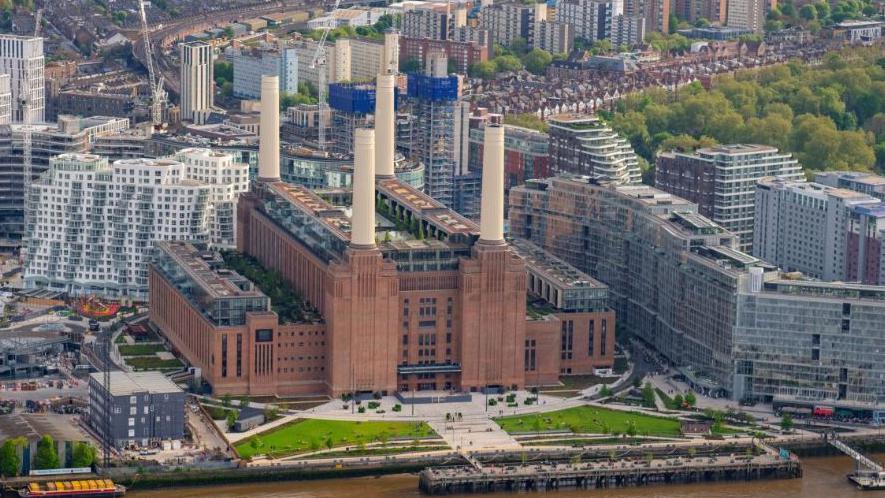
491, 224
384, 125
362, 218
269, 139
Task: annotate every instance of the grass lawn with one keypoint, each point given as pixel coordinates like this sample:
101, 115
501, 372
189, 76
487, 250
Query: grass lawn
140, 349
591, 419
152, 363
314, 434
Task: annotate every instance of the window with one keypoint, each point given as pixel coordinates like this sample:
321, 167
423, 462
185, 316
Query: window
263, 335
604, 337
567, 339
590, 333
131, 421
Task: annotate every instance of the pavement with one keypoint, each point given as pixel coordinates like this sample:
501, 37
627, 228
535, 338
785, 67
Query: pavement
474, 433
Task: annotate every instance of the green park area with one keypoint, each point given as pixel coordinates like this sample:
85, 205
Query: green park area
308, 435
592, 420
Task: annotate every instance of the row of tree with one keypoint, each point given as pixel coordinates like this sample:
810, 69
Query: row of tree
814, 16
830, 116
46, 456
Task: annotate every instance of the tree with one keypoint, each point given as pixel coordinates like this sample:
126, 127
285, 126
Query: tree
678, 402
786, 422
506, 63
231, 419
485, 70
47, 455
808, 12
648, 395
10, 463
83, 455
329, 442
410, 65
225, 400
537, 60
690, 399
224, 71
519, 46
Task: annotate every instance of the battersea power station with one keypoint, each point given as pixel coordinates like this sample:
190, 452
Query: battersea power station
391, 293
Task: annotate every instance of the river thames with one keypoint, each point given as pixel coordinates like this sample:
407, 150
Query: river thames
824, 478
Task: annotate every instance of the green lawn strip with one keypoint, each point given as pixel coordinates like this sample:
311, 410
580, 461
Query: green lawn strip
152, 363
141, 349
593, 420
316, 434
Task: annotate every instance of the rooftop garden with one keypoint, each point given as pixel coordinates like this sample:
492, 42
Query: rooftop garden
288, 304
537, 308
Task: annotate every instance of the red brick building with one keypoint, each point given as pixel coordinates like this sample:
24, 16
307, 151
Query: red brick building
461, 54
411, 295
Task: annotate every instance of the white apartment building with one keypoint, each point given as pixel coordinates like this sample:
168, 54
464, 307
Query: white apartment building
813, 228
228, 179
197, 80
92, 224
356, 59
627, 30
554, 37
510, 21
21, 57
5, 99
70, 134
250, 64
433, 23
748, 14
591, 19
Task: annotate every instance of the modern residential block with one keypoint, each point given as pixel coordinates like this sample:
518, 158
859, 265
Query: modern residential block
143, 408
827, 233
250, 64
21, 57
92, 225
732, 324
584, 145
722, 181
197, 79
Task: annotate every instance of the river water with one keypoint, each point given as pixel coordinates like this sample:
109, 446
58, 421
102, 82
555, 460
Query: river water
823, 478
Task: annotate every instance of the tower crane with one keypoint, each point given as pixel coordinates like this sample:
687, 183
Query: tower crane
158, 94
319, 63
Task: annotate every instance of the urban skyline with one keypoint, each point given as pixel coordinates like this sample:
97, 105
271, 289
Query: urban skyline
507, 245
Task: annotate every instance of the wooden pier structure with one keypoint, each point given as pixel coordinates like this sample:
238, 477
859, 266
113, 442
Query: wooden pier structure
607, 474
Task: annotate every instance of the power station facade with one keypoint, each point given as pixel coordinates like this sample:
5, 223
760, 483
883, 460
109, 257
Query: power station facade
409, 295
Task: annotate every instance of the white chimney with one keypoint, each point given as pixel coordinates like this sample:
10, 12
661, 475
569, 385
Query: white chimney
362, 217
269, 139
384, 125
491, 224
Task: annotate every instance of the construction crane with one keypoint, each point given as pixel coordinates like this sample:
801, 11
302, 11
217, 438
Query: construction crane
319, 63
158, 94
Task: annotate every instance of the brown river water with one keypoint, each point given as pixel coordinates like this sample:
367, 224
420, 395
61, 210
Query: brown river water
824, 478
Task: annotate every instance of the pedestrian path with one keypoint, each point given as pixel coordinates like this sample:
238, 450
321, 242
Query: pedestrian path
474, 434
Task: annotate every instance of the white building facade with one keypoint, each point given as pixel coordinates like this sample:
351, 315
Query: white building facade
197, 79
21, 57
251, 64
92, 224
